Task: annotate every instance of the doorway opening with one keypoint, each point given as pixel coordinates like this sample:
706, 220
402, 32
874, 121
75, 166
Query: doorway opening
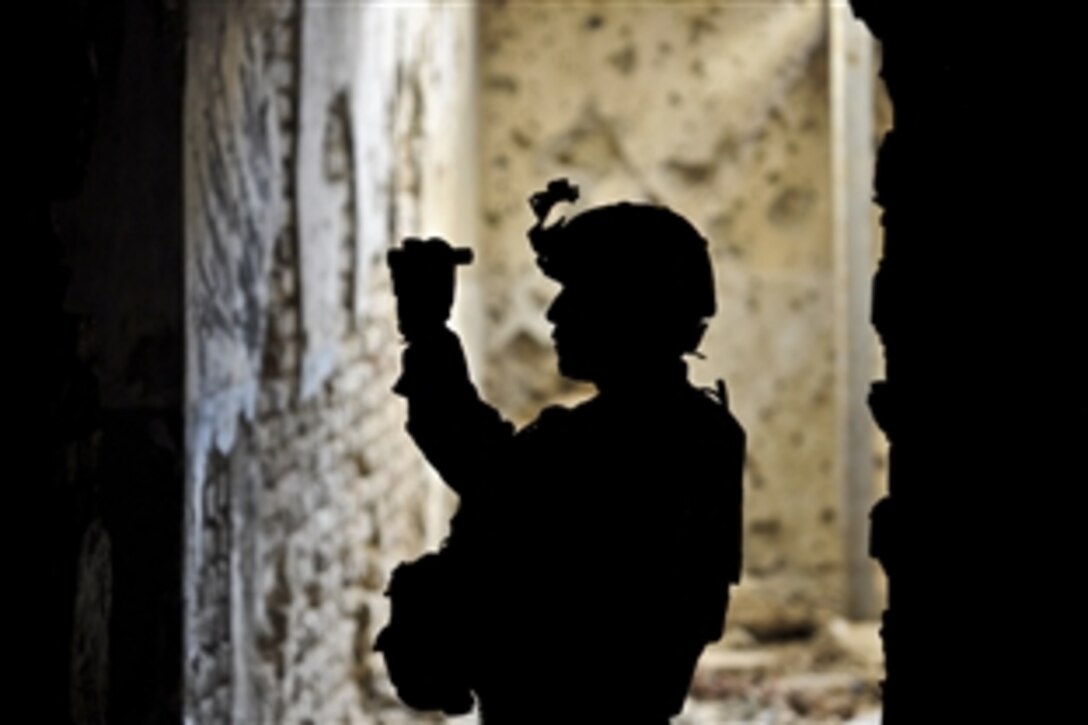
360, 124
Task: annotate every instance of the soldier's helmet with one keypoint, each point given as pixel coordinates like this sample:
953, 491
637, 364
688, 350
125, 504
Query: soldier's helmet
646, 256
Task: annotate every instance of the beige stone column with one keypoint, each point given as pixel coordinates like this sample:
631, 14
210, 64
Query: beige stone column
852, 112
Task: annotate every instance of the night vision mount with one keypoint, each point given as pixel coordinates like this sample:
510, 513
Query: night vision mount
542, 202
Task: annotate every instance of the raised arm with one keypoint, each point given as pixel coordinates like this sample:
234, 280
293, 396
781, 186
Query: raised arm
459, 434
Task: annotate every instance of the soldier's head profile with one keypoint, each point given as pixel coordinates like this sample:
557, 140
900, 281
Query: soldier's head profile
637, 288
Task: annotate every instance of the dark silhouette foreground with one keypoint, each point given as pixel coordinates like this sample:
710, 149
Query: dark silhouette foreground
591, 557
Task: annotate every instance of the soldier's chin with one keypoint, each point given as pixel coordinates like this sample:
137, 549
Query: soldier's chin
570, 366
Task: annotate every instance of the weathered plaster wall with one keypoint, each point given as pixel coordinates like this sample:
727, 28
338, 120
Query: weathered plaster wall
235, 208
309, 152
721, 111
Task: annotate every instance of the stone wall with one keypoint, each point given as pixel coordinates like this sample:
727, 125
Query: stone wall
102, 295
721, 111
309, 152
236, 207
981, 401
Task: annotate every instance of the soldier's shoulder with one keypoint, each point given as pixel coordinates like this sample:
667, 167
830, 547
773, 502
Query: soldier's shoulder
712, 407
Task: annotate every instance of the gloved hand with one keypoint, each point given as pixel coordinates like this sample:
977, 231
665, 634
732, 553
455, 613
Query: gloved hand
423, 282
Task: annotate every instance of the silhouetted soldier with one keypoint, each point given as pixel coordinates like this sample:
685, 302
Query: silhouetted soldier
590, 560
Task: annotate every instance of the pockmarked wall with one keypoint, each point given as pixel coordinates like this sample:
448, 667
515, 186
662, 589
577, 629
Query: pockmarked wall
719, 110
316, 135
